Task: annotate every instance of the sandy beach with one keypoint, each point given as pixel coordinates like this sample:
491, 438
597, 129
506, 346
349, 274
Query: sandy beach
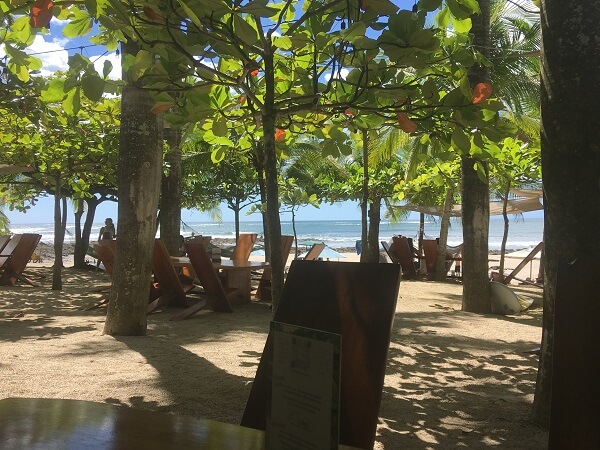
453, 379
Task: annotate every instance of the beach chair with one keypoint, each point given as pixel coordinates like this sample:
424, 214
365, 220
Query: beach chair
243, 246
106, 255
404, 254
172, 288
357, 301
314, 252
430, 251
3, 241
263, 292
513, 275
204, 240
217, 296
15, 256
390, 251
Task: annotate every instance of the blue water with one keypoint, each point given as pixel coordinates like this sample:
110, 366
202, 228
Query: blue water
523, 233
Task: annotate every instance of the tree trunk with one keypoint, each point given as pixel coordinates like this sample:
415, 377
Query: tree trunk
372, 253
170, 193
440, 264
475, 192
475, 220
272, 190
364, 202
82, 236
258, 159
139, 174
236, 215
505, 233
79, 252
422, 264
295, 233
59, 235
570, 162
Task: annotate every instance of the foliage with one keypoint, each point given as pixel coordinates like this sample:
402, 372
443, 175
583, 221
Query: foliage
80, 148
208, 183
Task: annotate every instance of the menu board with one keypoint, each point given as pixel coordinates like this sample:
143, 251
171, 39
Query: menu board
305, 389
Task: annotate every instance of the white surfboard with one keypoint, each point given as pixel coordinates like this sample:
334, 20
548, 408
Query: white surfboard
505, 301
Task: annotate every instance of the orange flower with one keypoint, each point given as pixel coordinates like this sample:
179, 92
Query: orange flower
279, 135
41, 13
481, 92
406, 124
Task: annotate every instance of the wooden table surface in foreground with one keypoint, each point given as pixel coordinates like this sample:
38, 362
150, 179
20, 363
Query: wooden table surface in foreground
49, 423
27, 423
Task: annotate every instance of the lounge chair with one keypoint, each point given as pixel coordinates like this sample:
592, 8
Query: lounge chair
3, 241
105, 251
217, 297
243, 246
263, 291
314, 252
15, 256
513, 275
172, 289
404, 254
356, 300
430, 251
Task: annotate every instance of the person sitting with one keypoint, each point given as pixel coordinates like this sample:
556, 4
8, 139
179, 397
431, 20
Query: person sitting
109, 227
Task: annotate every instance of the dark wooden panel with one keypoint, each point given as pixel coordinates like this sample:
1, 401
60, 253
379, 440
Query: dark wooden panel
358, 301
575, 412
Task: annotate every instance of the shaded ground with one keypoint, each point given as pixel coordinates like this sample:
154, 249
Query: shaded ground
454, 379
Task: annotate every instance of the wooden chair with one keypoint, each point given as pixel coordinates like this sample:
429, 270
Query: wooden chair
3, 241
356, 300
390, 251
403, 252
217, 296
243, 246
263, 292
513, 275
204, 240
172, 290
15, 256
314, 252
430, 251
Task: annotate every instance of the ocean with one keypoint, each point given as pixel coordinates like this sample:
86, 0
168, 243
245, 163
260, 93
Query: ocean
523, 233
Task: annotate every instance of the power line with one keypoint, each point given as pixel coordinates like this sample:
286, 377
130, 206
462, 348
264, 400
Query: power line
81, 47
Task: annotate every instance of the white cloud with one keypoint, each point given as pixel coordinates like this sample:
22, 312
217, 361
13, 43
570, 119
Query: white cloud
342, 75
115, 74
53, 55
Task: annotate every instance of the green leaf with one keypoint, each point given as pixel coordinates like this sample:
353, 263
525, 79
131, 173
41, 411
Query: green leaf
356, 30
429, 5
461, 141
93, 86
72, 103
259, 8
244, 30
462, 26
54, 92
443, 18
459, 10
78, 27
283, 42
219, 127
107, 69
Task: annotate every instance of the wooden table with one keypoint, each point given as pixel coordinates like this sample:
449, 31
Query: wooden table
41, 423
237, 273
27, 423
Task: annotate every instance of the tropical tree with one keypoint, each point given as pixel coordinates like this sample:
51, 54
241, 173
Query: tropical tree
209, 182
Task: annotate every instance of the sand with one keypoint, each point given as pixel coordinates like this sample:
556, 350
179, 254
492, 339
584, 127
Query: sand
454, 379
